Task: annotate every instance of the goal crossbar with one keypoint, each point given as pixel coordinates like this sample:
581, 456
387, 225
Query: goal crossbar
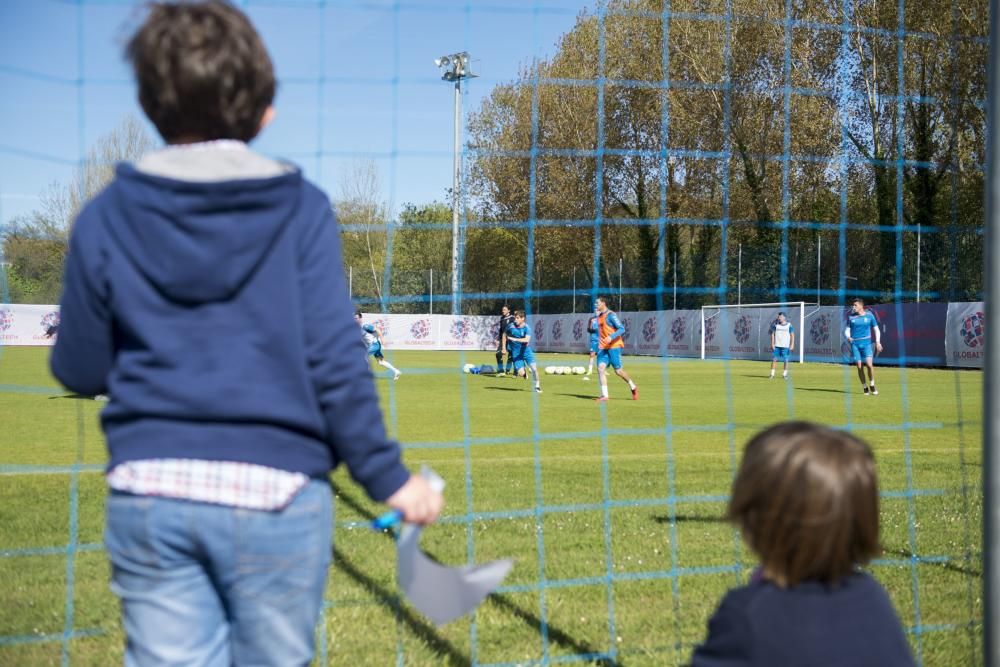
801, 305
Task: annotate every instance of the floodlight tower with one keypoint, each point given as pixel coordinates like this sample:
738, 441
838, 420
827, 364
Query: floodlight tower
455, 69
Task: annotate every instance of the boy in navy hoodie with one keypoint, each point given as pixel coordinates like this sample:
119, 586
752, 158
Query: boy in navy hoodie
806, 501
204, 293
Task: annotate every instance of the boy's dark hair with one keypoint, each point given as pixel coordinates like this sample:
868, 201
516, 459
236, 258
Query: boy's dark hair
782, 313
202, 70
519, 313
357, 313
806, 499
859, 300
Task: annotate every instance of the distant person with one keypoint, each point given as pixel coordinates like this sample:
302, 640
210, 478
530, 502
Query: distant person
519, 335
373, 341
503, 345
860, 326
806, 501
609, 352
52, 331
782, 343
204, 291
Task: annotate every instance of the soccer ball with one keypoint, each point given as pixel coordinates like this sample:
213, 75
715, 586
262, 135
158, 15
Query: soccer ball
468, 368
557, 370
550, 370
567, 370
579, 370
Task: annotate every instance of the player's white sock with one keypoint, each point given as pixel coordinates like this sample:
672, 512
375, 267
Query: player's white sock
784, 373
631, 385
386, 364
772, 372
604, 390
590, 368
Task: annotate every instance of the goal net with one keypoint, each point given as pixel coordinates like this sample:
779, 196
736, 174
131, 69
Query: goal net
743, 331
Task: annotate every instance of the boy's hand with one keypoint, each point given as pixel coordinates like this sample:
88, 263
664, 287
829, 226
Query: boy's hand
417, 501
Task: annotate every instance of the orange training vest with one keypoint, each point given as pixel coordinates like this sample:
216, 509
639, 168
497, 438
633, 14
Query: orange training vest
606, 330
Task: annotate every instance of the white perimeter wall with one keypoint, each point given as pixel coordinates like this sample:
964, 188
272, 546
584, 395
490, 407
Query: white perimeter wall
731, 333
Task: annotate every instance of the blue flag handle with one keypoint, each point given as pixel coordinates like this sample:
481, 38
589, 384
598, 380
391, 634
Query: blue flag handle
387, 520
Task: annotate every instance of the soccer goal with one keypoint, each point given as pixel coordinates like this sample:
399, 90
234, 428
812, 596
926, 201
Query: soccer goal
748, 336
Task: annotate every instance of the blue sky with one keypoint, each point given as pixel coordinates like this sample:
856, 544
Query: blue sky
356, 78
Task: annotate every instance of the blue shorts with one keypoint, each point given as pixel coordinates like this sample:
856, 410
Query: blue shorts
861, 350
780, 354
375, 350
610, 357
593, 346
526, 358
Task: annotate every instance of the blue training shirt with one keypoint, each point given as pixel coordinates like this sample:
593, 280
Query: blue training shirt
368, 333
593, 329
861, 326
517, 349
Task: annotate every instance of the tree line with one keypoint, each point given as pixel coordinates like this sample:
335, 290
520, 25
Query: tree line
691, 158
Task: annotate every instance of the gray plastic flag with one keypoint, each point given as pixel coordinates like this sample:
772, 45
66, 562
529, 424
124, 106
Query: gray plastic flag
440, 592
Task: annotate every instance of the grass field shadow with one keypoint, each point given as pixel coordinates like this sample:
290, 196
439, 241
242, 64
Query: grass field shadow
823, 389
946, 565
425, 630
586, 397
682, 518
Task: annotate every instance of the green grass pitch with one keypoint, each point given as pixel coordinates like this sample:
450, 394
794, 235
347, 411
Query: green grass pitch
612, 513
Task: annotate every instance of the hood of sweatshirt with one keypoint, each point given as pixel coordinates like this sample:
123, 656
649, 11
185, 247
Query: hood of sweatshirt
196, 221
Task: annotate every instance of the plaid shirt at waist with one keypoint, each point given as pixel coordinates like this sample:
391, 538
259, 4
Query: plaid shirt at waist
230, 483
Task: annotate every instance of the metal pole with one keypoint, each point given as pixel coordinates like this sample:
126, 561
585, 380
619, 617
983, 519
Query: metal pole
739, 276
918, 262
802, 327
991, 398
702, 332
431, 283
819, 264
620, 263
455, 200
574, 290
675, 280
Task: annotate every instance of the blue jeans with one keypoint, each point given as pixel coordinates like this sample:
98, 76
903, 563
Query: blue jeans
211, 585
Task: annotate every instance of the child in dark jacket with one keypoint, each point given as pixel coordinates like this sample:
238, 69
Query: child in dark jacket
204, 292
806, 500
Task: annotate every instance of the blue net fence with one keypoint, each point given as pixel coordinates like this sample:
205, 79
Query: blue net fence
667, 154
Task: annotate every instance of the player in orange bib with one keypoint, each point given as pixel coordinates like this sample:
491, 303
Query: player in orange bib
609, 349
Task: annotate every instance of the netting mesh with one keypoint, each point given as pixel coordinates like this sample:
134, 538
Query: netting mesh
669, 155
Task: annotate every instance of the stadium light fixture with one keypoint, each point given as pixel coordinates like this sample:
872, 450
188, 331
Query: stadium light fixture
456, 69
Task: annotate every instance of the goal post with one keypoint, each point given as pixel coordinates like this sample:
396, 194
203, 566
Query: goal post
800, 325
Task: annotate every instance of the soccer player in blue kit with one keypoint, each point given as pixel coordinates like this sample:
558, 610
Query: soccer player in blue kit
519, 337
859, 329
373, 341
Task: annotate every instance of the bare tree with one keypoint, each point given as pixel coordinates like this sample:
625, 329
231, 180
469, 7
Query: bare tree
365, 215
34, 245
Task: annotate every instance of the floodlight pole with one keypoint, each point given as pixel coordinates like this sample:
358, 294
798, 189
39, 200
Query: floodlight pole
455, 200
991, 402
455, 68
